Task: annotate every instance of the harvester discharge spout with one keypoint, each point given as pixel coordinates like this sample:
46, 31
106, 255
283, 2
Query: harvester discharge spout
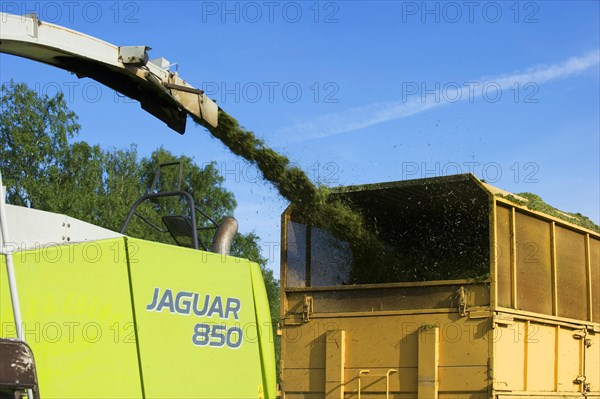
126, 69
224, 236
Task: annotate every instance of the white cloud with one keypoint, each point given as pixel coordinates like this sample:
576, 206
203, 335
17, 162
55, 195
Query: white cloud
375, 113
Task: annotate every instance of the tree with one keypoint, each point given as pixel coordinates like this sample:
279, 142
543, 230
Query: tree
43, 168
34, 133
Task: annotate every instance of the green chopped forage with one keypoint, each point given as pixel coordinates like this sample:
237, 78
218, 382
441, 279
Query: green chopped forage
535, 203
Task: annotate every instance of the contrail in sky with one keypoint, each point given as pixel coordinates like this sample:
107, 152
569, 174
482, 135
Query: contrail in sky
417, 100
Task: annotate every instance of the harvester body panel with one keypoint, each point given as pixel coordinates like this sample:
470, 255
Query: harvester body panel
130, 318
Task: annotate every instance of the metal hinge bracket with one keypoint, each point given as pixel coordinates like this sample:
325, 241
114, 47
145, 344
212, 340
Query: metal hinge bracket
462, 301
307, 309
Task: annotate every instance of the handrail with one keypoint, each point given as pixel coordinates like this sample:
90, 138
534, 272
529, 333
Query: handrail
361, 372
182, 194
387, 380
10, 267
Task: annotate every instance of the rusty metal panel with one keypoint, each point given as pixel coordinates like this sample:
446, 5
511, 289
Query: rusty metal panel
381, 300
453, 382
294, 303
393, 344
428, 369
536, 357
404, 381
592, 362
396, 348
568, 361
304, 380
334, 359
330, 259
595, 273
304, 346
296, 255
540, 344
475, 395
17, 369
463, 379
539, 395
301, 395
389, 299
509, 357
571, 274
464, 343
503, 261
534, 274
462, 340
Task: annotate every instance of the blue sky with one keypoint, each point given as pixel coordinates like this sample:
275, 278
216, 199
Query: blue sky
359, 91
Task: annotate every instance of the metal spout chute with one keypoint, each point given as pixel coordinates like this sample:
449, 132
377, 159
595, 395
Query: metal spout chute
224, 236
126, 69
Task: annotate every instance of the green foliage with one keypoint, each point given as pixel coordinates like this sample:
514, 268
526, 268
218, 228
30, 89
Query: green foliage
43, 168
34, 133
536, 203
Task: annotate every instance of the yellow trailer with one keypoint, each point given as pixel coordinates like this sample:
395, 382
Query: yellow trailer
496, 300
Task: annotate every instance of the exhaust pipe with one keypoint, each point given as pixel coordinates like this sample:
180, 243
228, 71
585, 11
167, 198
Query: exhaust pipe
224, 236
